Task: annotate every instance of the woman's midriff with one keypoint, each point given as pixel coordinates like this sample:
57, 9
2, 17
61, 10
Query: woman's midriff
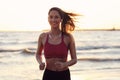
51, 64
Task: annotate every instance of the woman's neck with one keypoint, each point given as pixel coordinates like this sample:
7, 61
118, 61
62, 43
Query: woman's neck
55, 31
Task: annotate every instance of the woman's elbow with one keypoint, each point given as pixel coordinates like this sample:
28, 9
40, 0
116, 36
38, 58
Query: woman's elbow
75, 61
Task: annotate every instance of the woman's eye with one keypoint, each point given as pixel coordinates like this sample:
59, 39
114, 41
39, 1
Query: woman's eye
56, 17
51, 17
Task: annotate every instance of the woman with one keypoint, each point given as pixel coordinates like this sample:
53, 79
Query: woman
56, 43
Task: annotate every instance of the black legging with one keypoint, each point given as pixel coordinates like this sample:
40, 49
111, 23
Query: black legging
56, 75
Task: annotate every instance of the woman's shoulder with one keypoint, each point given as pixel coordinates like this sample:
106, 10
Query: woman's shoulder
43, 34
68, 35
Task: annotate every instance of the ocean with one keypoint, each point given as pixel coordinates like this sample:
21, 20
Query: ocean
98, 54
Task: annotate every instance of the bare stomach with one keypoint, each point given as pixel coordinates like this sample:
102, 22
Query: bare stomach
56, 64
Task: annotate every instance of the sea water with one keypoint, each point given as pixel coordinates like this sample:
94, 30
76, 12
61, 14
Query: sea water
98, 54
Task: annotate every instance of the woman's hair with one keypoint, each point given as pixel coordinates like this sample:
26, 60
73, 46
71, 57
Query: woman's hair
67, 23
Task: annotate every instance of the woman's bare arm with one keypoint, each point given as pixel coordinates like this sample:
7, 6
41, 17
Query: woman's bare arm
72, 51
39, 52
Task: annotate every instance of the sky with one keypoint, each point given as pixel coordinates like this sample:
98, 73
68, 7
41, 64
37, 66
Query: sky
31, 15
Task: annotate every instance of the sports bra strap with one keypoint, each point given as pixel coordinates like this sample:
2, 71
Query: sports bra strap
62, 38
47, 37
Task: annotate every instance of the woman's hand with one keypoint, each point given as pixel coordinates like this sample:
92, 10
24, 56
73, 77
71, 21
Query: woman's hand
42, 66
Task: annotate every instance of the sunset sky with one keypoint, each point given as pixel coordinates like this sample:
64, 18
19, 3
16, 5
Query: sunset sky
28, 15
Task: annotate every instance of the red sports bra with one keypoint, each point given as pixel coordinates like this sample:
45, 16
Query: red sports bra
55, 51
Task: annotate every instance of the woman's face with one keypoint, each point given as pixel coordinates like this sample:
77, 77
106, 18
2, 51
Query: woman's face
54, 19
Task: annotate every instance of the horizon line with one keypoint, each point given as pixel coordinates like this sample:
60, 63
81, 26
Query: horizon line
49, 29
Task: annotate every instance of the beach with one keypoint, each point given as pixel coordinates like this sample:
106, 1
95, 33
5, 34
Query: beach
98, 54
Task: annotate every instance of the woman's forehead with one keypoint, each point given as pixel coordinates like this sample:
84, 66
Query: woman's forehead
54, 12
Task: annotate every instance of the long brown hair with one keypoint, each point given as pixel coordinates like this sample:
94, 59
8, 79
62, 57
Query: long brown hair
68, 19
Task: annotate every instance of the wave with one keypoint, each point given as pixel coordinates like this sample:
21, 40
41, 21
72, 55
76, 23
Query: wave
99, 59
77, 48
9, 50
97, 47
29, 50
25, 50
17, 42
108, 68
95, 68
